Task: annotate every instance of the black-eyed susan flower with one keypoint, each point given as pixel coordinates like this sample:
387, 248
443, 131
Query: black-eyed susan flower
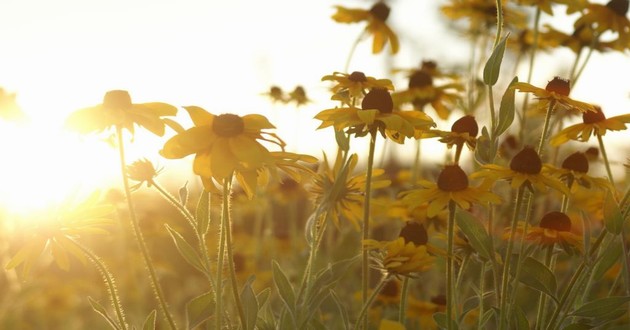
276, 94
422, 91
557, 91
57, 233
398, 257
354, 86
482, 14
525, 169
377, 114
554, 228
341, 193
593, 123
582, 37
376, 26
118, 111
463, 132
298, 96
609, 17
573, 172
420, 312
143, 171
452, 185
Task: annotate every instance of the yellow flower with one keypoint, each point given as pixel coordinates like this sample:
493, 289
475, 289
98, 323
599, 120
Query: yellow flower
593, 123
610, 17
482, 14
574, 171
581, 38
353, 86
420, 312
452, 185
554, 228
463, 131
377, 113
400, 258
276, 94
118, 111
142, 171
376, 26
422, 91
298, 95
339, 193
557, 90
57, 233
525, 169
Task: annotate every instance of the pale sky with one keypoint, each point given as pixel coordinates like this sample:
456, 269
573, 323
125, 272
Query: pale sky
62, 55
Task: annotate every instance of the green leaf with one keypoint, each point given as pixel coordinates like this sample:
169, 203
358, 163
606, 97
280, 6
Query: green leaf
493, 65
343, 312
612, 215
536, 276
343, 140
578, 326
149, 323
185, 249
203, 213
442, 321
263, 296
506, 110
476, 233
284, 288
199, 309
600, 307
485, 149
183, 194
520, 318
97, 307
250, 304
606, 260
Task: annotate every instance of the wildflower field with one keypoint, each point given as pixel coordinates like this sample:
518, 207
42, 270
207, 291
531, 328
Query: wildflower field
457, 196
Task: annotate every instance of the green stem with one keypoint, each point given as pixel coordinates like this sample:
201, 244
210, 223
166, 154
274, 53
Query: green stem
221, 256
109, 280
450, 263
508, 258
493, 259
530, 72
605, 157
493, 118
497, 38
415, 170
482, 282
227, 187
402, 312
351, 53
542, 299
138, 233
365, 270
543, 136
369, 301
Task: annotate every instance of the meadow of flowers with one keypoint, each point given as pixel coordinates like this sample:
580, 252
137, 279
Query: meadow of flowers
522, 225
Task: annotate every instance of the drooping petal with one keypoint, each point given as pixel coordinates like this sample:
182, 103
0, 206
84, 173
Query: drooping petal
191, 141
199, 116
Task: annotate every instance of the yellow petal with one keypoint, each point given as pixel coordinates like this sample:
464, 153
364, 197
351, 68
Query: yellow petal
367, 116
199, 116
188, 142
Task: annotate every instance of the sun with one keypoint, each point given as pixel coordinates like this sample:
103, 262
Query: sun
42, 165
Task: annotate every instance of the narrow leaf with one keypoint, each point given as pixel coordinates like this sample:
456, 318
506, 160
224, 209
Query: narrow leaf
250, 304
612, 215
520, 318
97, 307
199, 309
263, 296
343, 312
485, 149
602, 306
149, 323
183, 194
536, 276
185, 249
284, 288
607, 259
203, 213
442, 321
506, 110
493, 65
476, 233
343, 140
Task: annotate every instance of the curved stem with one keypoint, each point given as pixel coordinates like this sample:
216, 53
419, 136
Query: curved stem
351, 53
226, 224
450, 263
543, 135
365, 270
109, 280
368, 302
605, 157
138, 233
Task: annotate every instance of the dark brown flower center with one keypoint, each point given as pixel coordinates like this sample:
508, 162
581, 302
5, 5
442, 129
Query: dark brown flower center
556, 220
420, 79
559, 86
391, 289
380, 10
592, 117
357, 76
620, 7
592, 153
378, 98
466, 124
117, 99
430, 66
452, 178
228, 125
526, 161
415, 233
576, 162
439, 300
